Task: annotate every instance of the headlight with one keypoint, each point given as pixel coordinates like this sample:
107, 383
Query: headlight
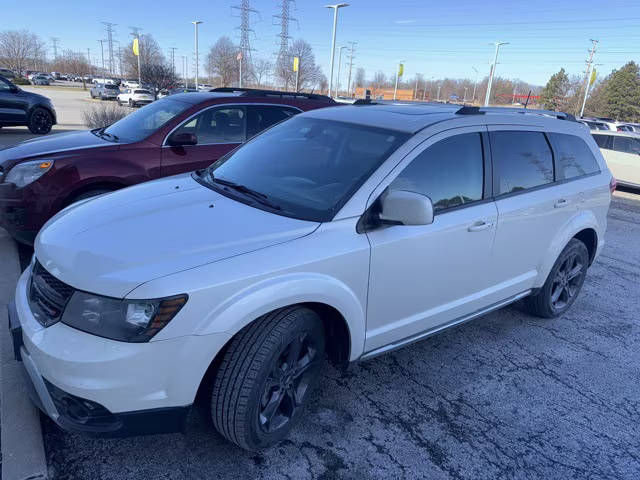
28, 172
122, 320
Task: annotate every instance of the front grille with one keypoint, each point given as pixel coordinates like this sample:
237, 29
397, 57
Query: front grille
48, 296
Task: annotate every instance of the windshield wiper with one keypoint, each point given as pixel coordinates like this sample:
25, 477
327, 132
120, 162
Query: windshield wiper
100, 132
260, 197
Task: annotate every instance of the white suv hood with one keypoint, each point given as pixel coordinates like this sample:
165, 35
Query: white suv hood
112, 244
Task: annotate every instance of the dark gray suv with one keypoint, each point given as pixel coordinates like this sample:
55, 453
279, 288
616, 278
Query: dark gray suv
18, 108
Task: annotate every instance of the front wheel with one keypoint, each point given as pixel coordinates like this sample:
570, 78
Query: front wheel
131, 104
563, 283
40, 121
266, 374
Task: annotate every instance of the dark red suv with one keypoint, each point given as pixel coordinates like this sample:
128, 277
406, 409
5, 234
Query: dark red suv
177, 134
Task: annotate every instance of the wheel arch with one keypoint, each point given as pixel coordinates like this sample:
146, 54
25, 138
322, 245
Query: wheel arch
584, 226
100, 185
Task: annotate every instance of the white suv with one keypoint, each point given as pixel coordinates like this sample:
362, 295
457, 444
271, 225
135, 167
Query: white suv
134, 97
343, 232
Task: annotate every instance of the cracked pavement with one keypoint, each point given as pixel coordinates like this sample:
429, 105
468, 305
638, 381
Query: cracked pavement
506, 396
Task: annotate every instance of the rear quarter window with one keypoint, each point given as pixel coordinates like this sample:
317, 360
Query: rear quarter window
603, 141
573, 157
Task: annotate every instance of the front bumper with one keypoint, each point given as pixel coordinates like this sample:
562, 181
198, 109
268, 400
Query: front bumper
22, 213
93, 385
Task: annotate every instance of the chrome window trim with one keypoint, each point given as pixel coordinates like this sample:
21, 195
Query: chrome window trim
224, 105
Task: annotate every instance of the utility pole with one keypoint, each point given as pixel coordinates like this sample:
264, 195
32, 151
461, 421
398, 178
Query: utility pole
438, 99
464, 98
195, 24
475, 84
339, 67
135, 33
335, 7
184, 70
587, 79
353, 44
173, 58
90, 72
102, 50
55, 40
513, 100
415, 92
493, 71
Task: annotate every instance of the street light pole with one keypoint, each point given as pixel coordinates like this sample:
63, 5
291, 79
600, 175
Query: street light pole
339, 68
438, 99
195, 24
333, 38
475, 84
493, 71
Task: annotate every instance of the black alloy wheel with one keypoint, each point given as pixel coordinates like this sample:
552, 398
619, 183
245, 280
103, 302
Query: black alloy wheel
40, 121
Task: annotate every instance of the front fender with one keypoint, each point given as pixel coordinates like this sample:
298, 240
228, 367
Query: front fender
271, 294
582, 220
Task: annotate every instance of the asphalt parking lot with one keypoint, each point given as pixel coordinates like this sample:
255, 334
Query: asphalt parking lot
507, 396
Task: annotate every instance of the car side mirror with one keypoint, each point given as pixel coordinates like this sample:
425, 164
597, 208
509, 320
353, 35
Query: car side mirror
181, 139
401, 207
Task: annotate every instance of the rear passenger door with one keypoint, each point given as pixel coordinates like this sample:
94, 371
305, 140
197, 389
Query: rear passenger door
532, 207
261, 117
624, 159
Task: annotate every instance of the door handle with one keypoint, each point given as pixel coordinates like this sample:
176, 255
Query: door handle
561, 203
479, 226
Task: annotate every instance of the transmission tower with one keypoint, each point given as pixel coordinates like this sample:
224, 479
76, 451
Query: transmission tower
110, 58
245, 12
172, 55
55, 40
283, 20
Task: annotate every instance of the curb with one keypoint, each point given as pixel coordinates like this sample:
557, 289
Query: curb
23, 454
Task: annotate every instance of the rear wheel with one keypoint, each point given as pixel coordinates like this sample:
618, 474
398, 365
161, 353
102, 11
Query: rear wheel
266, 374
563, 283
40, 121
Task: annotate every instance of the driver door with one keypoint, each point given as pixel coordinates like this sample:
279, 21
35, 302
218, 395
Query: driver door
218, 129
11, 106
423, 277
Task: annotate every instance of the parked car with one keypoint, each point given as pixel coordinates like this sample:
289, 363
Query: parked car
135, 97
40, 80
344, 232
6, 73
177, 134
594, 124
130, 83
18, 108
628, 127
104, 91
621, 150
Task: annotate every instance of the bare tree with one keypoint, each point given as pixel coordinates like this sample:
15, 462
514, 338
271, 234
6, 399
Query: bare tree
159, 76
379, 81
309, 74
221, 61
150, 54
261, 69
72, 63
18, 48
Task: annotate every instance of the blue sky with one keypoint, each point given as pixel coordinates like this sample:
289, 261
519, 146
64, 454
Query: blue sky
435, 38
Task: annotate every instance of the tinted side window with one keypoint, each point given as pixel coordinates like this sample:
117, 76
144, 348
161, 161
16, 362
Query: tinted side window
603, 141
626, 145
262, 117
217, 125
523, 160
573, 157
450, 172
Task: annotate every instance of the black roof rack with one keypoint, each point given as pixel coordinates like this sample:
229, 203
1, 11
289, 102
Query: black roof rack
257, 92
467, 110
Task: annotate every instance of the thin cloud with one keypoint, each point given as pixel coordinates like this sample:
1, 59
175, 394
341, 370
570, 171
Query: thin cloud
402, 22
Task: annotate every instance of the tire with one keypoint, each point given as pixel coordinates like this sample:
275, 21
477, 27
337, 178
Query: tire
119, 102
90, 194
131, 104
563, 283
40, 121
253, 378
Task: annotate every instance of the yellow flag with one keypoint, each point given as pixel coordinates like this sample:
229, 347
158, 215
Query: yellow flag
296, 63
136, 50
400, 70
594, 74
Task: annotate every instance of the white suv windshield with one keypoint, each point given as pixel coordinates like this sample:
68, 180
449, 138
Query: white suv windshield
304, 167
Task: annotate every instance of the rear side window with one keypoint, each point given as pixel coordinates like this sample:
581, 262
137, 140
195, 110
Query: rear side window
626, 144
264, 116
573, 157
450, 172
603, 141
523, 160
